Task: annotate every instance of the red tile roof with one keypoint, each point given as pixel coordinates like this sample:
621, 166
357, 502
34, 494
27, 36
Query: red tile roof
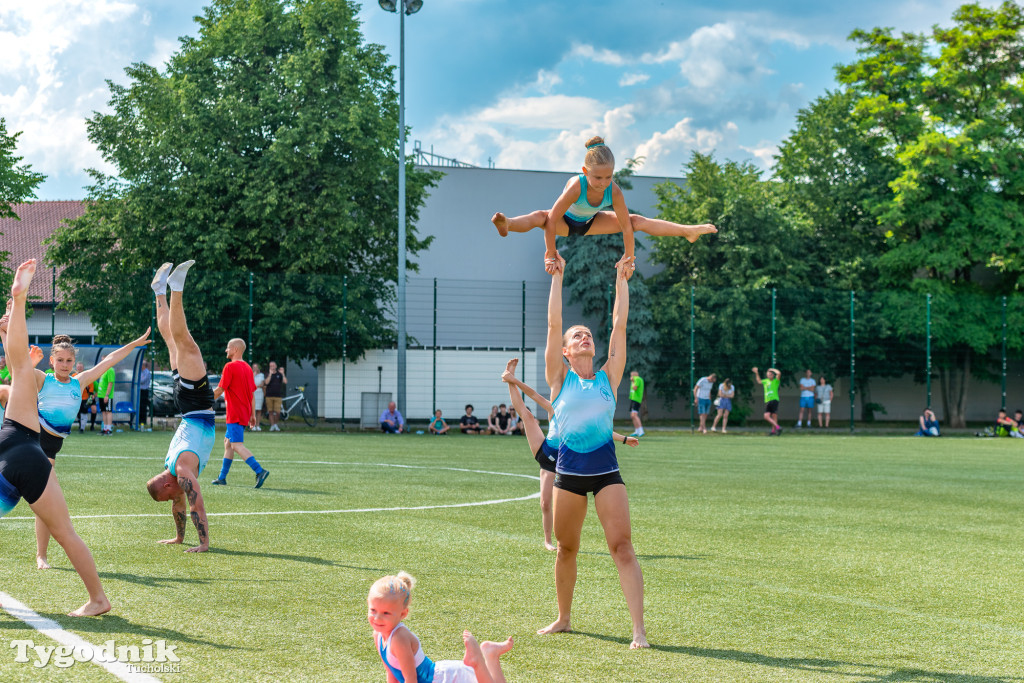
24, 239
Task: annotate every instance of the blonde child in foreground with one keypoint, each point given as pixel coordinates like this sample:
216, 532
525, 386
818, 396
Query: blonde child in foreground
580, 210
399, 648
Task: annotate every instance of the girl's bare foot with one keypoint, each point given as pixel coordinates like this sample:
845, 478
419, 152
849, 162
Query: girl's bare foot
474, 656
548, 545
23, 278
639, 641
698, 230
558, 626
501, 223
41, 563
510, 370
92, 608
495, 650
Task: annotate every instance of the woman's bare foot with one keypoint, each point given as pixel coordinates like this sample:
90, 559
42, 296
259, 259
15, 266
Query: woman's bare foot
548, 545
639, 641
558, 626
41, 563
501, 223
92, 608
510, 371
23, 278
697, 230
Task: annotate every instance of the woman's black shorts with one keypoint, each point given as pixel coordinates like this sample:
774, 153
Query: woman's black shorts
547, 462
22, 462
582, 485
50, 444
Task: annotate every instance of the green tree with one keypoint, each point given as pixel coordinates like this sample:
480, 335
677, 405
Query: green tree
18, 184
949, 108
268, 145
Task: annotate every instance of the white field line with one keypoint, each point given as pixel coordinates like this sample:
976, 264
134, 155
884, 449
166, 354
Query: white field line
498, 501
87, 650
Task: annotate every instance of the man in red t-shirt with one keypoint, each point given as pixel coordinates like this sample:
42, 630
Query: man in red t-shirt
237, 386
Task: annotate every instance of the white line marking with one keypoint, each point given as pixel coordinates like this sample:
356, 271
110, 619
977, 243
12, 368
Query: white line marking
498, 501
52, 629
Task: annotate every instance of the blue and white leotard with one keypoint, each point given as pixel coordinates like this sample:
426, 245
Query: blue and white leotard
424, 666
59, 403
582, 211
584, 409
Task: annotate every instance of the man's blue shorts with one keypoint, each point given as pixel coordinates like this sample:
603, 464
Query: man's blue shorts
703, 406
806, 401
235, 433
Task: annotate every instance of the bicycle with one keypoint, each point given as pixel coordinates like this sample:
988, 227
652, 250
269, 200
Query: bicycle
297, 403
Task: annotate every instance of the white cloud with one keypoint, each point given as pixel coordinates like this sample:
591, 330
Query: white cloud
633, 79
602, 56
763, 152
551, 111
162, 51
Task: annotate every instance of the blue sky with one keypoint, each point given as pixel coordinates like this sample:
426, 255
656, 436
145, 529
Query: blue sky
517, 83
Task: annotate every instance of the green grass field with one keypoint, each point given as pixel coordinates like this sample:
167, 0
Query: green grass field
801, 558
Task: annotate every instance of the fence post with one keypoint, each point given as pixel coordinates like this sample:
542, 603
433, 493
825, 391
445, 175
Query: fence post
53, 299
433, 393
344, 342
152, 358
773, 326
522, 341
1003, 402
693, 352
853, 358
928, 350
250, 316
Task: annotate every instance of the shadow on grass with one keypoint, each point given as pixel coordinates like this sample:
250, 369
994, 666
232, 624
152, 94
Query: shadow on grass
833, 666
308, 559
651, 557
112, 625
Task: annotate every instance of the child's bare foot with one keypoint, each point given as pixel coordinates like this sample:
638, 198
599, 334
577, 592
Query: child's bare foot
474, 657
501, 223
548, 545
92, 608
510, 371
639, 641
698, 230
495, 650
23, 278
557, 627
41, 563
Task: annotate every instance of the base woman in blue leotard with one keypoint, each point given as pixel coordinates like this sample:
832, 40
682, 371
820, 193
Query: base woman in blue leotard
60, 400
24, 469
584, 403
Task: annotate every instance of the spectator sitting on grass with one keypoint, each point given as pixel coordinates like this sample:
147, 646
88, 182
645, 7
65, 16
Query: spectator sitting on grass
503, 421
437, 425
1006, 426
468, 424
515, 425
928, 424
391, 421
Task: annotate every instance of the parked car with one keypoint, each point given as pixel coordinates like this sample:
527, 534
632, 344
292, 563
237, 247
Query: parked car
163, 395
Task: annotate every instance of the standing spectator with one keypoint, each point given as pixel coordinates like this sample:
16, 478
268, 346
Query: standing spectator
237, 387
5, 373
702, 399
468, 424
771, 398
105, 392
725, 393
391, 421
274, 388
823, 395
928, 424
259, 379
88, 406
145, 378
438, 425
636, 397
492, 423
806, 398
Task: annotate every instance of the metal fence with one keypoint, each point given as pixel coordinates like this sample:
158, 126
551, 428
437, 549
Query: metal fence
887, 354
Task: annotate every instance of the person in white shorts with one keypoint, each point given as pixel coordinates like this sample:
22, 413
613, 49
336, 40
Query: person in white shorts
400, 650
823, 399
192, 443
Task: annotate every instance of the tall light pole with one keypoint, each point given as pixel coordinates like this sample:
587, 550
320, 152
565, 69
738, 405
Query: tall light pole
407, 7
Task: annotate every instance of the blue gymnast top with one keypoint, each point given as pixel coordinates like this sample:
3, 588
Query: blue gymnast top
582, 210
59, 403
584, 409
424, 666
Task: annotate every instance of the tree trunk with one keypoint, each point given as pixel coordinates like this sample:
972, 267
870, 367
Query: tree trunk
953, 382
863, 387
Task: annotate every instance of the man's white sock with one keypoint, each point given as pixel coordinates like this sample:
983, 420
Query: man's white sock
160, 279
176, 280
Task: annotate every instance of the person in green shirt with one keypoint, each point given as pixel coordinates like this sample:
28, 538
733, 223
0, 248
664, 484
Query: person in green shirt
636, 396
5, 374
771, 398
105, 393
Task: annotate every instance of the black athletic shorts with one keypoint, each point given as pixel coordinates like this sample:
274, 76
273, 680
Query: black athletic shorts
192, 395
771, 407
22, 462
50, 444
582, 485
106, 404
545, 458
634, 406
578, 228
